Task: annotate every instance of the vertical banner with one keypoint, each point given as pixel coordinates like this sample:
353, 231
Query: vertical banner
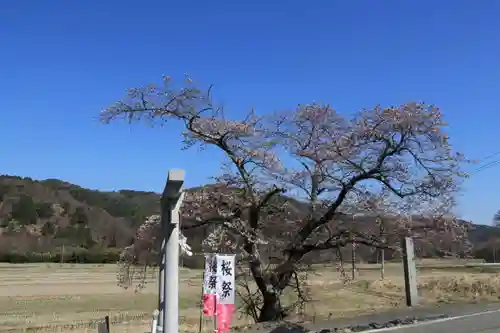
225, 291
209, 285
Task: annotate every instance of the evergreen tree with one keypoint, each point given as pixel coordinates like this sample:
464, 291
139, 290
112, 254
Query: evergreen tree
44, 210
79, 217
24, 210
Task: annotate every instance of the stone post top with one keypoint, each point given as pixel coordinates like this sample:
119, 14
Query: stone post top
176, 175
174, 184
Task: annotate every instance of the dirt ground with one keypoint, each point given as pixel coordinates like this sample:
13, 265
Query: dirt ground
67, 298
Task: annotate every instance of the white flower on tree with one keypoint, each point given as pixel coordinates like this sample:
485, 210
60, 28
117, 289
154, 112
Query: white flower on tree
147, 233
148, 239
185, 248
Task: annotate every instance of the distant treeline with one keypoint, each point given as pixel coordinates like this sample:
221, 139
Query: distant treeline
488, 254
112, 255
70, 255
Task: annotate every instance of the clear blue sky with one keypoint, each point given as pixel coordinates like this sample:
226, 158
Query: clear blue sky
62, 61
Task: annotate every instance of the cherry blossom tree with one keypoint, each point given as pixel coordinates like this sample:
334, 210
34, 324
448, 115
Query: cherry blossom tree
496, 219
305, 173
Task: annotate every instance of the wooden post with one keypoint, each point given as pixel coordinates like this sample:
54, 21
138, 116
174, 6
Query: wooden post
382, 252
106, 321
410, 272
382, 264
62, 254
103, 327
494, 253
353, 260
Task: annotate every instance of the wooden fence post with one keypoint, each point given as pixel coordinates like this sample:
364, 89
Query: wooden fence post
103, 327
353, 260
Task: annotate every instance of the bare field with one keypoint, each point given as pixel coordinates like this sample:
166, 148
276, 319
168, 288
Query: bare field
67, 298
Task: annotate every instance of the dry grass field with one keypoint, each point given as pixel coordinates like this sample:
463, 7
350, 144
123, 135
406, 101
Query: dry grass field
67, 298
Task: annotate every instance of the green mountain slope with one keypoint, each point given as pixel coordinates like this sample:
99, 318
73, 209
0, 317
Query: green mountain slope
41, 216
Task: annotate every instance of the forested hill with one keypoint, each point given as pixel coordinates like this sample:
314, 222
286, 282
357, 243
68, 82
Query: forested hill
62, 213
41, 216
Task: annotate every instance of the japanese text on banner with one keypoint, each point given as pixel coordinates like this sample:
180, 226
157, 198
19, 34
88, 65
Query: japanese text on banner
225, 279
210, 278
209, 285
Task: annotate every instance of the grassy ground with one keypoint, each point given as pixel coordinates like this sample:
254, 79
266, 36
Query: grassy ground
66, 298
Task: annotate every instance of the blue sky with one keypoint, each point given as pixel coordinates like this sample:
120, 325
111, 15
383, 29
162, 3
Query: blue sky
62, 61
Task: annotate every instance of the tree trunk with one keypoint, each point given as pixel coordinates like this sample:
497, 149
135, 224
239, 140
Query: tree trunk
271, 309
341, 264
270, 287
